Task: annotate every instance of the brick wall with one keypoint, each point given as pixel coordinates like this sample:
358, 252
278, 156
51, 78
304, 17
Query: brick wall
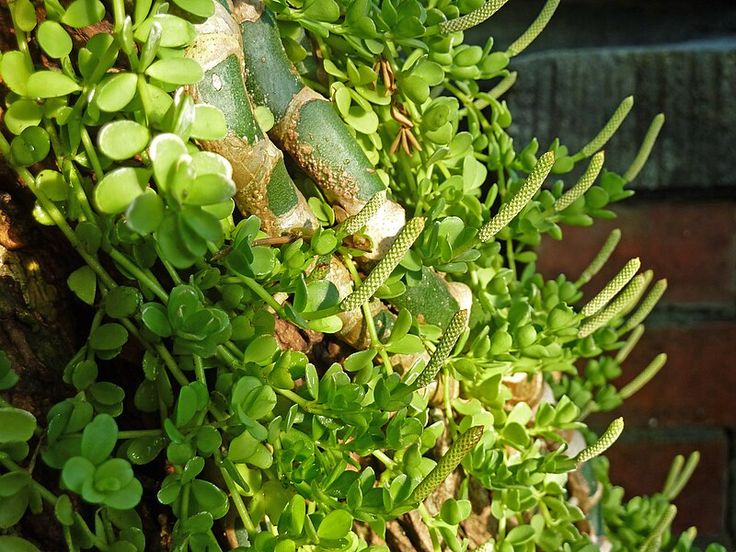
680, 58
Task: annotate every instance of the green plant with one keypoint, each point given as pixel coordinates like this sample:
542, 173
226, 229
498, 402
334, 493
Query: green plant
137, 145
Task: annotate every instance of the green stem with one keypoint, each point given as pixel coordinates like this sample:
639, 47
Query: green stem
235, 496
261, 292
89, 148
136, 433
135, 271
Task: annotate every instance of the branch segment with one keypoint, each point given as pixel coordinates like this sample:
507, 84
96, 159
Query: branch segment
264, 187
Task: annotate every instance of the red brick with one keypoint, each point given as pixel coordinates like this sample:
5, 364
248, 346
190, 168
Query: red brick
695, 387
693, 245
641, 459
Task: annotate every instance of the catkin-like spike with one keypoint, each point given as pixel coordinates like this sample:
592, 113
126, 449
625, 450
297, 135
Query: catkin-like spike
644, 376
352, 224
646, 148
537, 26
447, 464
631, 342
648, 275
600, 259
649, 302
612, 287
385, 266
608, 130
603, 443
503, 86
582, 185
512, 207
476, 17
654, 541
627, 296
457, 325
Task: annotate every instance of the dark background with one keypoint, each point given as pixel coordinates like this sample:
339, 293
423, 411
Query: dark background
676, 57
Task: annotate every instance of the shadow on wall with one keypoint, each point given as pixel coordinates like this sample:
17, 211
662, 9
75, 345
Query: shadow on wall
679, 58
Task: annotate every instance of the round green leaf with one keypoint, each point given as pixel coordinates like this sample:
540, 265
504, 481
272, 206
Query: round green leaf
209, 123
165, 151
122, 139
64, 511
113, 474
82, 13
200, 8
114, 93
145, 213
99, 438
31, 146
175, 31
118, 188
54, 40
416, 88
15, 71
122, 301
209, 189
83, 282
145, 449
16, 424
177, 71
23, 114
336, 525
210, 498
16, 544
50, 84
127, 497
24, 15
155, 318
108, 337
52, 183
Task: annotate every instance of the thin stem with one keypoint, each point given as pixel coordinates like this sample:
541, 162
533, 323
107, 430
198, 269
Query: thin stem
135, 271
261, 292
235, 496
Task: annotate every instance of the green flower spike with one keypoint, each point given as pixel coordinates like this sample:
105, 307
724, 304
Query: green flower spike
623, 300
582, 185
603, 443
385, 266
512, 207
608, 130
612, 287
476, 17
352, 224
646, 306
447, 464
456, 326
646, 148
537, 26
654, 541
600, 259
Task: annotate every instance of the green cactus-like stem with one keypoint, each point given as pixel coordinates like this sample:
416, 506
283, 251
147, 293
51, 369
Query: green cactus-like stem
608, 130
447, 464
308, 126
537, 26
627, 296
603, 443
519, 200
263, 186
583, 184
385, 266
646, 306
472, 19
612, 288
457, 325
